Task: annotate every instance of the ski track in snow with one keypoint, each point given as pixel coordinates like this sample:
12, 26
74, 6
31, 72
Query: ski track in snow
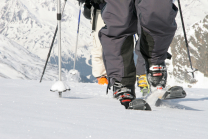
29, 110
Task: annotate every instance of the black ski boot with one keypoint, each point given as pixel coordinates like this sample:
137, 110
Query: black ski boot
125, 94
157, 75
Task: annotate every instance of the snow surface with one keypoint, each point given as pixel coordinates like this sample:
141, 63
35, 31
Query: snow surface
29, 110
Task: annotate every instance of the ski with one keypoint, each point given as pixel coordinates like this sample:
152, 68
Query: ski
156, 96
139, 104
175, 92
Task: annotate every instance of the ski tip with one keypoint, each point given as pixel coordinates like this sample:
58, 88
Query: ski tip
174, 92
139, 104
147, 107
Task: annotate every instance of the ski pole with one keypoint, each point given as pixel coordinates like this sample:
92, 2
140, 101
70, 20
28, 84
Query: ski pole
77, 35
49, 53
186, 41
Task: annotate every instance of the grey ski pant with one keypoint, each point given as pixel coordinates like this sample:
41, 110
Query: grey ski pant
152, 20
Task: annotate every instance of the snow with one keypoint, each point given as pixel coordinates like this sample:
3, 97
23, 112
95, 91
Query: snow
30, 110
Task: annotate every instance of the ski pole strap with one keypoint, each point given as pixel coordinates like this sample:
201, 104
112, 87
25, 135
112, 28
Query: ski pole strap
94, 16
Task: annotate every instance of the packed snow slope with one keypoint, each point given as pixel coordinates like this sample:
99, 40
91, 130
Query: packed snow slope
29, 110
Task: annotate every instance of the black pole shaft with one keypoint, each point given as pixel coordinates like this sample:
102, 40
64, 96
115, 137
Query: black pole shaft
49, 53
186, 41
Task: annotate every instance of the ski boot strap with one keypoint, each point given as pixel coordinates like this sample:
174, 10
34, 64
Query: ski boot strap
157, 68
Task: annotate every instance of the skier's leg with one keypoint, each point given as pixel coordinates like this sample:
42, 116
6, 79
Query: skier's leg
98, 68
117, 40
158, 26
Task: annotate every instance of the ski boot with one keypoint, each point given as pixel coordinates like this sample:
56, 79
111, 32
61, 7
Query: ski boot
157, 76
143, 84
102, 80
125, 94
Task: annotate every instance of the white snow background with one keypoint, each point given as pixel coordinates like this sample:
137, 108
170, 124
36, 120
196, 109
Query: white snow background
28, 110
